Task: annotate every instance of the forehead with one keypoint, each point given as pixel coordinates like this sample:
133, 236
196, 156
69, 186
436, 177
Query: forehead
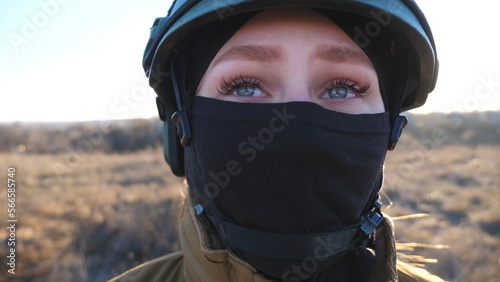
276, 35
284, 25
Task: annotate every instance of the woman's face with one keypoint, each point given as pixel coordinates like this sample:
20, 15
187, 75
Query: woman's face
284, 55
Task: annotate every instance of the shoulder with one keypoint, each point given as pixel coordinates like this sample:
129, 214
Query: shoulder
409, 273
166, 268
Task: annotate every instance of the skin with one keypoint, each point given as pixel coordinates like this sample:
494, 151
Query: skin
284, 55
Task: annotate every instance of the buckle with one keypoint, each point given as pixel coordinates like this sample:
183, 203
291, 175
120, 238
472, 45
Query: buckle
181, 121
373, 219
399, 123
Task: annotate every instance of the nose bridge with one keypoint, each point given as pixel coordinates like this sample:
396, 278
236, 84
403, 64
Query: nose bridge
296, 96
296, 84
298, 70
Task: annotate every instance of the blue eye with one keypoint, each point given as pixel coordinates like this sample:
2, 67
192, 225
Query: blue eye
241, 87
245, 91
339, 92
344, 89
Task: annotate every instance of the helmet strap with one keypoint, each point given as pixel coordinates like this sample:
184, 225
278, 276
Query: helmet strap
405, 83
399, 123
176, 129
297, 245
180, 117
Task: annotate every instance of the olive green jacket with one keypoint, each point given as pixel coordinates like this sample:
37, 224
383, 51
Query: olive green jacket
198, 262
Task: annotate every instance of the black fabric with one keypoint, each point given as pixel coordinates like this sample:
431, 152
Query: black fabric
202, 45
287, 168
287, 245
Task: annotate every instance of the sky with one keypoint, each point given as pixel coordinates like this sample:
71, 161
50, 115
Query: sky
79, 60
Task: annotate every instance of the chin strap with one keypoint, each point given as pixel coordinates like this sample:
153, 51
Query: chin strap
294, 245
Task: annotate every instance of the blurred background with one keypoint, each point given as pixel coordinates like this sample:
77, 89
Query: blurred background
95, 198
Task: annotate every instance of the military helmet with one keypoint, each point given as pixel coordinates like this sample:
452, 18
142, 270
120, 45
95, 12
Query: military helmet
412, 50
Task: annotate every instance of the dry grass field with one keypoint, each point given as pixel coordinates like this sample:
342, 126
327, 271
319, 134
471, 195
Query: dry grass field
90, 217
458, 189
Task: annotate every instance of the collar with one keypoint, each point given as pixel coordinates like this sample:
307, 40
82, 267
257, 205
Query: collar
203, 262
206, 263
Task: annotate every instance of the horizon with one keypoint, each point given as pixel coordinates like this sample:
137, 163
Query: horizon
157, 119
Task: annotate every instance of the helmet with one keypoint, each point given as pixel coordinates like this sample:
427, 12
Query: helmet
412, 40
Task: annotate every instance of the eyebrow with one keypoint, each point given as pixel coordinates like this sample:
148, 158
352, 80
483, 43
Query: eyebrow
342, 54
261, 53
267, 53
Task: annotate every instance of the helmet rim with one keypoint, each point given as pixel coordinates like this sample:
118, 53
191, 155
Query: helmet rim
406, 20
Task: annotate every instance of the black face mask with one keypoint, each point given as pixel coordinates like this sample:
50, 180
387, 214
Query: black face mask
283, 168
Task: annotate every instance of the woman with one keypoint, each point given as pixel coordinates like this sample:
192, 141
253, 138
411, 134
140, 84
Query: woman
281, 115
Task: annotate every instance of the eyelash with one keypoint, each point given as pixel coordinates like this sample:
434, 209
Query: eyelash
348, 84
226, 87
